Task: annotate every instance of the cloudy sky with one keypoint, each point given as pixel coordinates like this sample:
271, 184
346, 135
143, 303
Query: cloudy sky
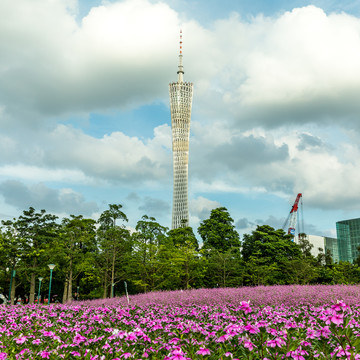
85, 119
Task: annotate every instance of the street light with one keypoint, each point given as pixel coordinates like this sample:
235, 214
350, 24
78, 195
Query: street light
77, 297
51, 267
40, 280
112, 290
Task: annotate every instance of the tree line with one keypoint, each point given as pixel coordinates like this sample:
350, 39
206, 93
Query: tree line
97, 259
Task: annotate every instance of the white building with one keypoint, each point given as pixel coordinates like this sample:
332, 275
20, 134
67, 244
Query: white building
324, 243
181, 94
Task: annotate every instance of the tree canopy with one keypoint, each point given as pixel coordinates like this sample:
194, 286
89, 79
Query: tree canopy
94, 257
218, 232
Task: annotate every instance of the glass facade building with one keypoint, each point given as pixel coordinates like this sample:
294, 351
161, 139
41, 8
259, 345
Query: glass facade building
348, 237
331, 244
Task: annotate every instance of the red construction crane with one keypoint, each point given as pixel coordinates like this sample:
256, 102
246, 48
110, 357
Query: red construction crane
290, 222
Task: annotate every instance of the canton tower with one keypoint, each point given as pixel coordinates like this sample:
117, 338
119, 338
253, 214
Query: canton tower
181, 94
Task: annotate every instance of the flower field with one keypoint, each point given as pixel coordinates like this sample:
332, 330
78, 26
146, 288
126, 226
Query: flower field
277, 322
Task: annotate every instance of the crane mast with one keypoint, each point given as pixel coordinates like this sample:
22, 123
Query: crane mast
293, 215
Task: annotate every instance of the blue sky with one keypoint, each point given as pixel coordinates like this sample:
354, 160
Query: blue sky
85, 120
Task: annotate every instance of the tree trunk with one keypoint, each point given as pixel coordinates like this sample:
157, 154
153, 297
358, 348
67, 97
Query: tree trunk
69, 294
224, 274
13, 291
187, 276
66, 285
113, 270
32, 289
32, 283
105, 285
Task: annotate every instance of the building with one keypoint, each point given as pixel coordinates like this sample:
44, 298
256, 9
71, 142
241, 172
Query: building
348, 235
325, 244
331, 244
181, 94
322, 244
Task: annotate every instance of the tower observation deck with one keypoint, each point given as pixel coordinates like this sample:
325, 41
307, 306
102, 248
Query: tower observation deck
181, 94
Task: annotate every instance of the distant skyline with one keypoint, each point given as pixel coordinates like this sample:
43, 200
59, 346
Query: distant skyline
85, 118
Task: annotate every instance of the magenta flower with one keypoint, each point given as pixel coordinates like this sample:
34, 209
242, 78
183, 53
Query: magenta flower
223, 338
48, 333
3, 356
75, 353
79, 339
178, 357
45, 354
203, 351
337, 319
245, 306
277, 342
126, 355
248, 344
21, 339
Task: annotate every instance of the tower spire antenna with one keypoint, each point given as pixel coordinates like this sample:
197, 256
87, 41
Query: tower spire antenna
181, 68
180, 41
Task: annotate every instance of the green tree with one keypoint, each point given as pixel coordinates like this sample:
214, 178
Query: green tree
182, 236
218, 232
224, 268
150, 254
305, 246
37, 231
271, 252
75, 243
114, 243
11, 247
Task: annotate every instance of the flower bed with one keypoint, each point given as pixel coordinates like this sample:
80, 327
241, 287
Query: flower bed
175, 330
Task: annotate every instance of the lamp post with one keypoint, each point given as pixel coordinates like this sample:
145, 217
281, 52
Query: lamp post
13, 273
51, 267
40, 280
112, 290
77, 297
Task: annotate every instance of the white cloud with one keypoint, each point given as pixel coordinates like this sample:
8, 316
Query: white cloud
118, 56
34, 173
280, 73
67, 154
40, 196
201, 207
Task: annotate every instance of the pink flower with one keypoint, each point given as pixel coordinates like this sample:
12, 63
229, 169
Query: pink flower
203, 351
79, 339
295, 356
178, 357
45, 354
3, 356
252, 329
249, 345
325, 332
223, 338
20, 340
48, 333
177, 354
126, 355
337, 319
36, 341
245, 306
75, 353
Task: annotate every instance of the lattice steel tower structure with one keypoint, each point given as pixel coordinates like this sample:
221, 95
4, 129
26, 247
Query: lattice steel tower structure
181, 94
